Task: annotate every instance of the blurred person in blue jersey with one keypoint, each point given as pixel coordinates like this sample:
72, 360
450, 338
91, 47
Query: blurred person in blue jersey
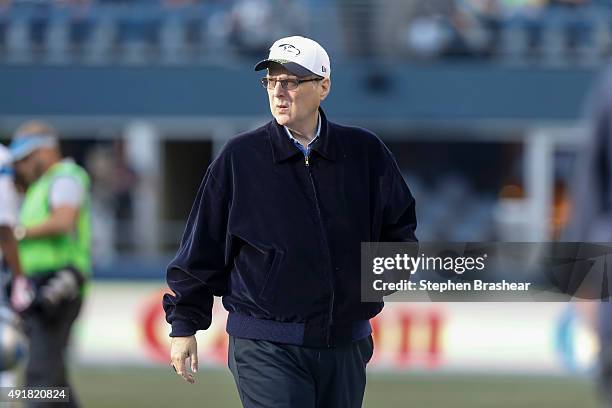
8, 221
9, 256
54, 249
591, 211
276, 229
8, 212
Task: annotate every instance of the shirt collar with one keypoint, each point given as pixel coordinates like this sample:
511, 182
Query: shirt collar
300, 146
283, 147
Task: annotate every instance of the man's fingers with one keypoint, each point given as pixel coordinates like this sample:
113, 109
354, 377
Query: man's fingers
179, 365
188, 377
194, 362
181, 369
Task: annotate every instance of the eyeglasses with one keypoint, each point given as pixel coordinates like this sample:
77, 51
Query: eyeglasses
287, 84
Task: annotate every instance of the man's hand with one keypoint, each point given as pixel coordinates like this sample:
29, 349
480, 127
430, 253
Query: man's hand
182, 348
22, 294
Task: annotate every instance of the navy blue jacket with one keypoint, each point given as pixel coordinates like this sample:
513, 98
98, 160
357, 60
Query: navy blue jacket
278, 236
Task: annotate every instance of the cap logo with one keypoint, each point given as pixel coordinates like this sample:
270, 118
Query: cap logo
289, 49
323, 69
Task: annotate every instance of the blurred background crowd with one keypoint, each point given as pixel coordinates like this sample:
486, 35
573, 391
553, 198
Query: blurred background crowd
179, 31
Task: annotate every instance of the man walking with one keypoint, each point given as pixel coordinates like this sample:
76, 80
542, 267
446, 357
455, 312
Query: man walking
276, 229
54, 247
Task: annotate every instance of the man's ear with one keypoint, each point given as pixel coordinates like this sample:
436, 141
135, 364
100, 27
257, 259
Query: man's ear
325, 87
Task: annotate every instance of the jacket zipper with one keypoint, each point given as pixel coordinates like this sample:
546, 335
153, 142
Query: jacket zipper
330, 275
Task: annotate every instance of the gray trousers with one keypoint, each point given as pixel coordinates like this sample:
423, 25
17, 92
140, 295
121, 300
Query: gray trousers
273, 375
49, 335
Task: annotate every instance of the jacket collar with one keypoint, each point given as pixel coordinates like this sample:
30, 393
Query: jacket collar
283, 148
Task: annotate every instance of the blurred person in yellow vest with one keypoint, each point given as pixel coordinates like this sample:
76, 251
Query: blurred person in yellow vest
54, 247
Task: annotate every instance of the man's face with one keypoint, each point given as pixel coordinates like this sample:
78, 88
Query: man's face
30, 168
293, 107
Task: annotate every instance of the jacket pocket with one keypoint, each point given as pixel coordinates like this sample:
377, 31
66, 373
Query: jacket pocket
269, 286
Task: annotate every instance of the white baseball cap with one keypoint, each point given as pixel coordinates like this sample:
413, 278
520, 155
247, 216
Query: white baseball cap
25, 144
300, 55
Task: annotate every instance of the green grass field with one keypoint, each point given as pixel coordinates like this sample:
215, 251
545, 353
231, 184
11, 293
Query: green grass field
157, 387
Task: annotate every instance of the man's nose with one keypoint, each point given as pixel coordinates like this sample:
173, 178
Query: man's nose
278, 89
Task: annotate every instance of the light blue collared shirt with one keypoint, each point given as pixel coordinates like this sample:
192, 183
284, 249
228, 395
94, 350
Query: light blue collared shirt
305, 150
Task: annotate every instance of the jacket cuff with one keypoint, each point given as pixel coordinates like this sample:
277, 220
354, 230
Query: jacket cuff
182, 328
